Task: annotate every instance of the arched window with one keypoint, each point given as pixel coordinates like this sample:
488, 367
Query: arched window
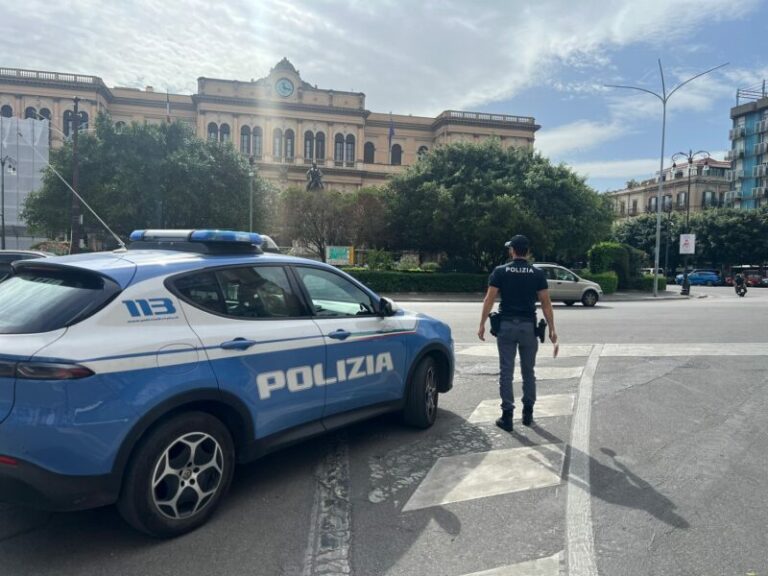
369, 153
422, 151
338, 150
68, 122
224, 133
681, 201
320, 146
349, 150
6, 111
45, 113
289, 145
709, 200
258, 142
119, 127
213, 131
245, 140
309, 145
397, 155
30, 113
277, 143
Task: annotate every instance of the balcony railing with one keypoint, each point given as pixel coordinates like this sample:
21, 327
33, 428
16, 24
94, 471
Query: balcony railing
48, 76
735, 133
458, 115
734, 175
734, 154
760, 171
761, 148
762, 126
760, 191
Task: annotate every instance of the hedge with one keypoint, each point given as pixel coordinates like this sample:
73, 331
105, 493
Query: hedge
609, 281
621, 258
394, 282
645, 283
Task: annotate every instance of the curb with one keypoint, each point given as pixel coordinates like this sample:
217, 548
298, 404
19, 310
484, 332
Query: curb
477, 297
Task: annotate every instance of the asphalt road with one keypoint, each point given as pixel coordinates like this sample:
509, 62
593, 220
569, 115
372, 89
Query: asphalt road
644, 460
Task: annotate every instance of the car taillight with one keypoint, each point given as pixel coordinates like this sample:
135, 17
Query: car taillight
51, 371
8, 461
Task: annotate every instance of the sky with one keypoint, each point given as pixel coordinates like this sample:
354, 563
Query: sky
550, 59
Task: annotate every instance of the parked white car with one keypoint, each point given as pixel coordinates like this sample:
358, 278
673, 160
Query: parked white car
566, 286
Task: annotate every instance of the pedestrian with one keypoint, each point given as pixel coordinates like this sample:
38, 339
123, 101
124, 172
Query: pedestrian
520, 286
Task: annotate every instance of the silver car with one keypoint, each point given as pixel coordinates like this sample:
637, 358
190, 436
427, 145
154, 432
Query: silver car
566, 286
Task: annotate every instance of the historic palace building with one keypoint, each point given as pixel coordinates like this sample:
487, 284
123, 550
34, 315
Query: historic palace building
282, 122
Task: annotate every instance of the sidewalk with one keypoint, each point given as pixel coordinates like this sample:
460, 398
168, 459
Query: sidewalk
672, 293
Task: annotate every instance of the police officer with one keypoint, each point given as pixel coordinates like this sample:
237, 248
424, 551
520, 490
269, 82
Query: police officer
520, 285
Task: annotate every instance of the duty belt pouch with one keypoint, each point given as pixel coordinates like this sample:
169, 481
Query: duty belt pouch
495, 318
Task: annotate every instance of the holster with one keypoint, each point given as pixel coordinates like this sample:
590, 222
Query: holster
495, 319
541, 330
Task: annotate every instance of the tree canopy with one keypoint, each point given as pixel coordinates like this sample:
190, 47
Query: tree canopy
149, 176
467, 199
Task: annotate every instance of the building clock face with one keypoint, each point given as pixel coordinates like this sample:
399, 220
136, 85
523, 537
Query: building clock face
284, 87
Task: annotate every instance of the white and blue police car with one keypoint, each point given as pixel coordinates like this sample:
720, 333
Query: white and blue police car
142, 376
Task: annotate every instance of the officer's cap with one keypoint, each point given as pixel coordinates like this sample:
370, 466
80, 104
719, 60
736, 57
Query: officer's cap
519, 244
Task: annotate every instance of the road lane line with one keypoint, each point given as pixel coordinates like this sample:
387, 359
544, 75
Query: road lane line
330, 530
547, 406
549, 566
580, 536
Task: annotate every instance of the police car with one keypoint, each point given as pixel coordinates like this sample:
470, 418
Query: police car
142, 376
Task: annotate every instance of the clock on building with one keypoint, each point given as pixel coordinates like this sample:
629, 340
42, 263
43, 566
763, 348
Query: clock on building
284, 87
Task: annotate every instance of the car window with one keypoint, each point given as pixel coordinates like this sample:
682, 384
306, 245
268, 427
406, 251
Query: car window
258, 292
563, 275
333, 295
37, 300
202, 290
5, 271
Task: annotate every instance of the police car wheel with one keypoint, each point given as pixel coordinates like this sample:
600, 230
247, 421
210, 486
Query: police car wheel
589, 298
421, 402
178, 475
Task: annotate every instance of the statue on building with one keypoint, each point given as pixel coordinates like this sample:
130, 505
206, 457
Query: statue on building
315, 178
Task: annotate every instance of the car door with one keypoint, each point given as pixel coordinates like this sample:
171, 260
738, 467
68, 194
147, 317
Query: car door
365, 352
566, 283
261, 341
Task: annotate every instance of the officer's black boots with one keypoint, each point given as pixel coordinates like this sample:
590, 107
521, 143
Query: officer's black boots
505, 422
527, 415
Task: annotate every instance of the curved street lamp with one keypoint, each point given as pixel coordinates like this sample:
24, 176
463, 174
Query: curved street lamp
689, 157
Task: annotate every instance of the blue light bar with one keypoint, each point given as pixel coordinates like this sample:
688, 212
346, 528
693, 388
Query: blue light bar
208, 236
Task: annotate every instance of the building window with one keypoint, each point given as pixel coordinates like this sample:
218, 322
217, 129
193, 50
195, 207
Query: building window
258, 142
245, 140
320, 146
309, 145
681, 201
277, 143
83, 121
289, 145
667, 203
213, 131
68, 122
30, 113
338, 149
397, 155
634, 207
369, 153
349, 149
622, 208
44, 113
423, 151
6, 111
652, 204
224, 134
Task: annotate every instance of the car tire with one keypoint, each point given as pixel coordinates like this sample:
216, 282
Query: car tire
178, 475
569, 302
422, 396
589, 298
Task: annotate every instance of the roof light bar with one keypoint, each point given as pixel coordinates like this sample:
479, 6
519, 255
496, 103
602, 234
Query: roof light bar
207, 236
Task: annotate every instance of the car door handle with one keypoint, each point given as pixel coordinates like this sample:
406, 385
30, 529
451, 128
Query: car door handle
237, 344
339, 334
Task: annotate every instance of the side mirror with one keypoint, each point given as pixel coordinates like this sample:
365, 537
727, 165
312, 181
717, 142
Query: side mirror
386, 307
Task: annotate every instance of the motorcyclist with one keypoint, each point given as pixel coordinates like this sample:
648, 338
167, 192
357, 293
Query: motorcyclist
739, 283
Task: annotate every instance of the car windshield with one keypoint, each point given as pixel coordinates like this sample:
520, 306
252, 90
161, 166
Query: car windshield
43, 299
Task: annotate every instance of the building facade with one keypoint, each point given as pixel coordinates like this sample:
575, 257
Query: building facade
281, 121
749, 149
710, 183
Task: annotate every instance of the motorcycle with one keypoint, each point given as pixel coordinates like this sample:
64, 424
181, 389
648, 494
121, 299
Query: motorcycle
741, 290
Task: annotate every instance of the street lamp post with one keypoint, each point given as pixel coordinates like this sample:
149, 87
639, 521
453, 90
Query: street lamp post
251, 161
3, 161
664, 98
689, 157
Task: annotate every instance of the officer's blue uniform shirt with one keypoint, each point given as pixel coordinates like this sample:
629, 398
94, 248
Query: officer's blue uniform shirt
519, 284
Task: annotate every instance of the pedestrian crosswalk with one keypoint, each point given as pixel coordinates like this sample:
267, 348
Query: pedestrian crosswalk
547, 406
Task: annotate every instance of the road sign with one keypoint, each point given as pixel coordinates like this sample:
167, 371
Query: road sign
340, 255
687, 243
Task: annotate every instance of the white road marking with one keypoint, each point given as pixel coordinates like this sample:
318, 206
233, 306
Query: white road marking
677, 349
546, 407
549, 566
483, 474
580, 536
566, 351
330, 530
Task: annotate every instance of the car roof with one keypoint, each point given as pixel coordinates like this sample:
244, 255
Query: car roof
129, 266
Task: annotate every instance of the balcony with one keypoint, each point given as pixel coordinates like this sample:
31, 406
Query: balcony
761, 148
478, 116
733, 197
738, 132
734, 154
760, 191
734, 175
760, 171
762, 126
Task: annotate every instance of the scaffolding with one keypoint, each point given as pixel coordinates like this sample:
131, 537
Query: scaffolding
26, 144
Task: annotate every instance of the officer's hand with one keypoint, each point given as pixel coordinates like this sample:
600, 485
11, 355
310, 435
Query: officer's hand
481, 332
553, 336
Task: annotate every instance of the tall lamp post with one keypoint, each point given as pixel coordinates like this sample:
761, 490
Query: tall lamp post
689, 157
664, 98
3, 161
251, 162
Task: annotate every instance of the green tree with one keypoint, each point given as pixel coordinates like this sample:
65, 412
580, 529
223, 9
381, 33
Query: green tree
149, 176
731, 236
466, 199
640, 233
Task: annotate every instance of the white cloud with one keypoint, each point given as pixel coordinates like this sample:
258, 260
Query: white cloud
577, 137
639, 168
418, 57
